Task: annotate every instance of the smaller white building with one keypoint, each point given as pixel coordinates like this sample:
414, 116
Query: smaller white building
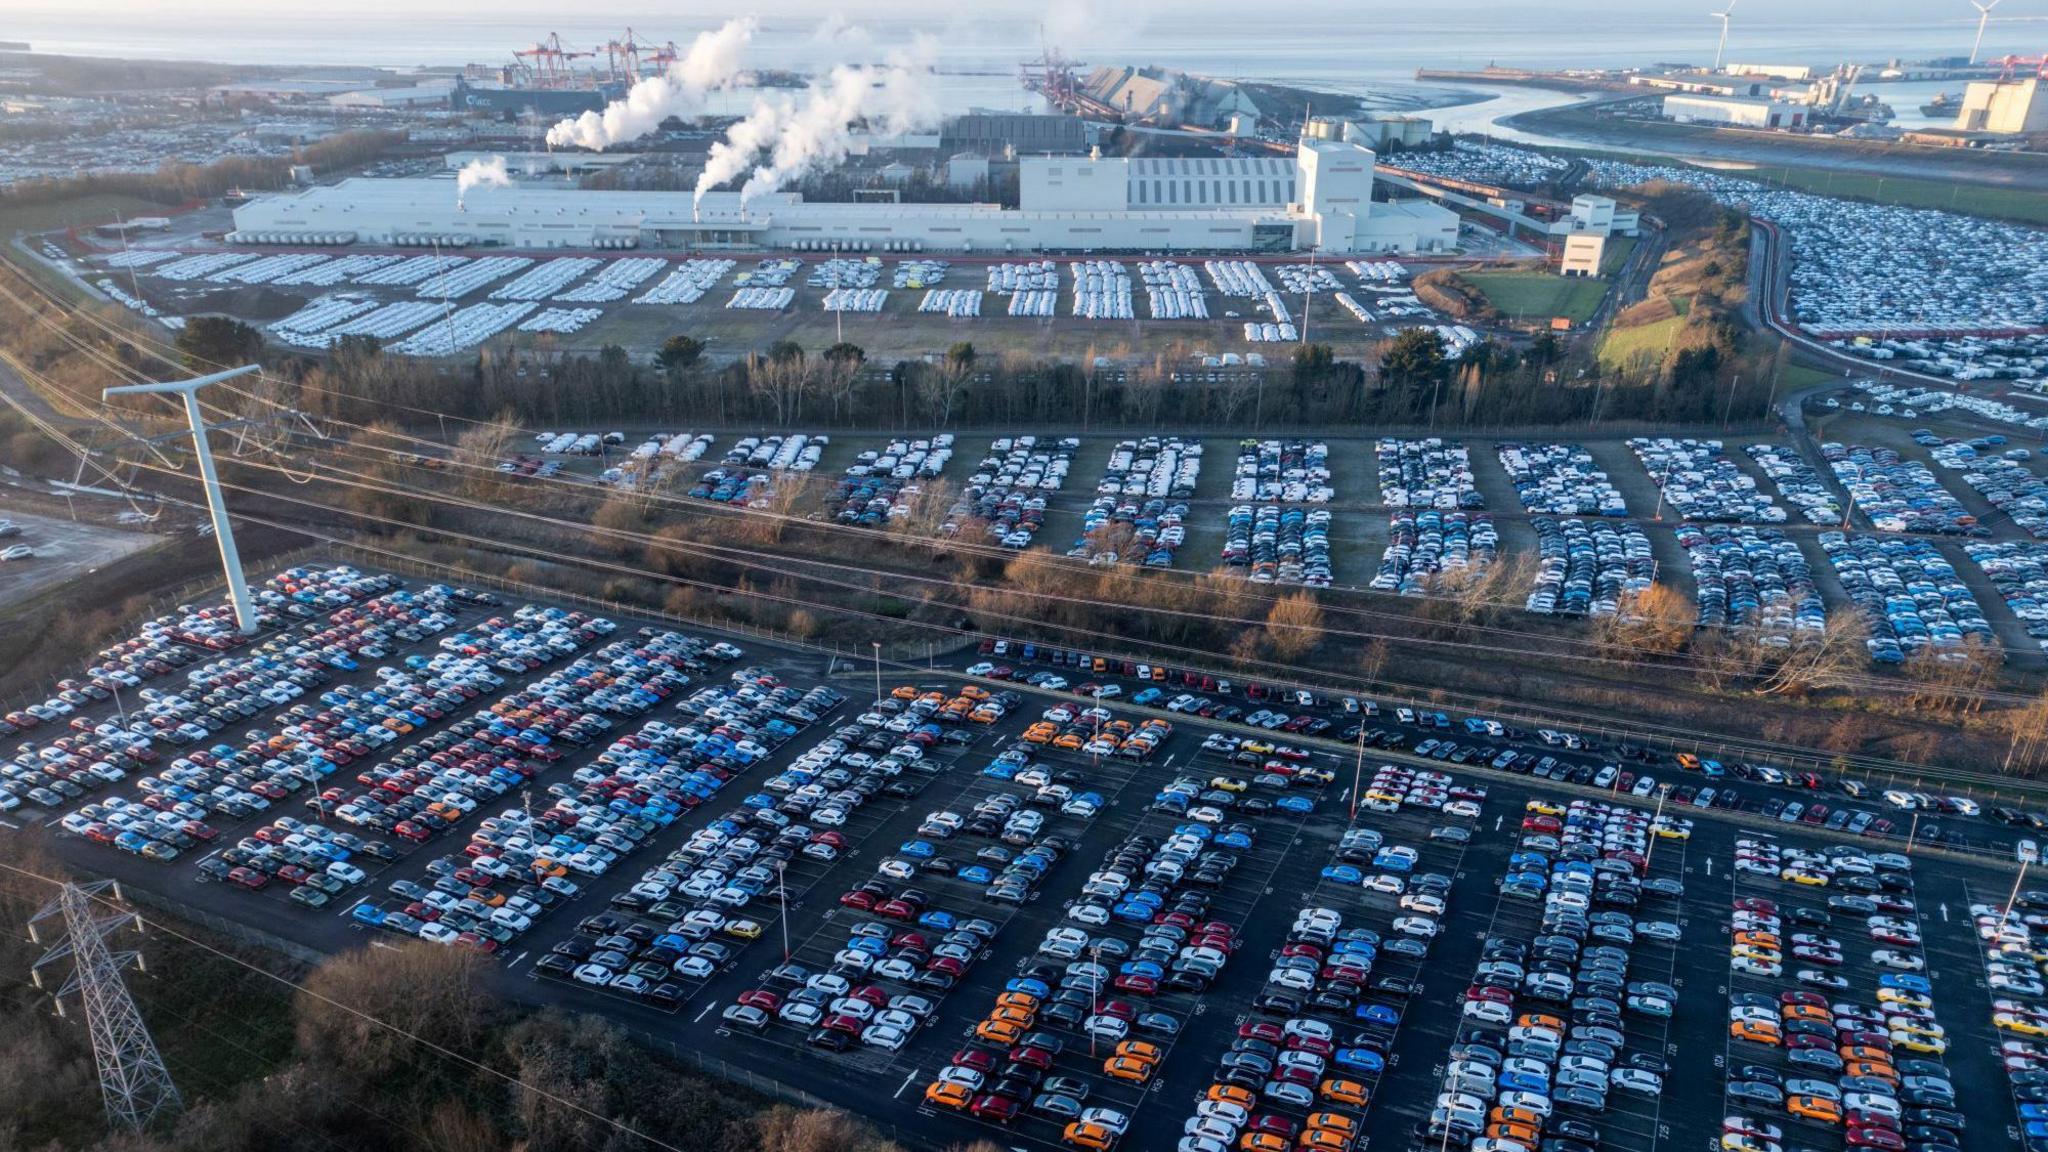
1583, 252
1735, 112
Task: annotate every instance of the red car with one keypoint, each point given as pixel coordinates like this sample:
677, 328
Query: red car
761, 998
856, 899
248, 878
1000, 1109
979, 1059
1259, 1030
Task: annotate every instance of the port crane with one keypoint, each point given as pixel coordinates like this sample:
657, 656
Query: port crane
2010, 67
630, 60
547, 62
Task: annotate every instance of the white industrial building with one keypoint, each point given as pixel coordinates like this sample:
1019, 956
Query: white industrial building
2004, 106
1321, 199
1736, 111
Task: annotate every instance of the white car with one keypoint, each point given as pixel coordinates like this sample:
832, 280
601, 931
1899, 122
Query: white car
1415, 926
884, 1036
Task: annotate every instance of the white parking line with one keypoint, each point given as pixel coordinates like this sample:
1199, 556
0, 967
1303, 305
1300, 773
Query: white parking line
516, 960
704, 1013
906, 1084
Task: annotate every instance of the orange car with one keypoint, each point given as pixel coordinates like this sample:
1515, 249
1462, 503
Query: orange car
1755, 1033
1069, 741
1758, 940
1523, 1134
1871, 1068
1334, 1122
1515, 1116
999, 1031
1539, 1020
1262, 1142
1024, 1001
1340, 1091
1806, 1012
1139, 1050
1233, 1094
1128, 1068
947, 1095
1011, 1013
1864, 1052
1323, 1140
905, 692
974, 692
1815, 1108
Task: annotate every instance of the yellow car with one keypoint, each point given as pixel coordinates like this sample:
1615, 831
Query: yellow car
2006, 1021
1543, 808
1810, 879
1923, 1045
1904, 997
743, 930
1228, 783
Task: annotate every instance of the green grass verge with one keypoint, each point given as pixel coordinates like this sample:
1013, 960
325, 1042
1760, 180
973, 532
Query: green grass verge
1619, 249
1539, 294
1622, 347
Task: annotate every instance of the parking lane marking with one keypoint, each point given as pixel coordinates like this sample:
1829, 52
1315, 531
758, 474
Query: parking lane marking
517, 959
704, 1013
898, 1094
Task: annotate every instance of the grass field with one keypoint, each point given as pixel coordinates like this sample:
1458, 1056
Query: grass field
1536, 294
1622, 347
88, 210
1619, 249
1977, 199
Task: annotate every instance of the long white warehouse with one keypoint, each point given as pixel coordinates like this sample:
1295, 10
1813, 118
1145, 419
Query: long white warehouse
1322, 199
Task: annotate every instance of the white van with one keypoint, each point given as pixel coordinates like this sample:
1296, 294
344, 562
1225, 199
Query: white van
2028, 852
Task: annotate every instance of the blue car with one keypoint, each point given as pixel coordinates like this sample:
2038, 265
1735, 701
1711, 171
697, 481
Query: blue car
1295, 804
1343, 873
872, 945
1359, 1060
368, 915
1000, 770
976, 874
938, 918
1147, 696
1907, 981
1233, 840
1141, 968
1028, 986
1523, 1082
1377, 1014
917, 849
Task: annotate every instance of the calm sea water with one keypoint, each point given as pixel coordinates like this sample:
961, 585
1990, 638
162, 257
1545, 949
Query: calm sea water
1347, 44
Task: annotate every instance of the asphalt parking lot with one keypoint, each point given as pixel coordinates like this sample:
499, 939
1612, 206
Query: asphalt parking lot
1277, 877
64, 550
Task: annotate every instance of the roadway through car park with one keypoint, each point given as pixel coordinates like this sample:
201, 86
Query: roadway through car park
1279, 875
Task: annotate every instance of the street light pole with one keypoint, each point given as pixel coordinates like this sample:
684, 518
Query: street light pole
782, 895
223, 532
1357, 771
877, 644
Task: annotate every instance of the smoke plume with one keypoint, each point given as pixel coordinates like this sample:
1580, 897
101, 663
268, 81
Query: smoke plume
784, 140
712, 62
477, 173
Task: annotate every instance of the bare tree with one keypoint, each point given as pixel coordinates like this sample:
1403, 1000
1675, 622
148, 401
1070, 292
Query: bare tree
1294, 626
478, 452
1841, 651
1653, 621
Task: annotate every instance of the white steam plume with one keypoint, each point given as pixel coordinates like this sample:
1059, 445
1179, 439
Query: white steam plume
712, 62
480, 172
801, 137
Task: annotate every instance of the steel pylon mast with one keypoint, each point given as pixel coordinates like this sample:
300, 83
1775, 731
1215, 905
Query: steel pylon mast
134, 1084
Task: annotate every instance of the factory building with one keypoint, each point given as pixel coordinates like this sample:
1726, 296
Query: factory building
1014, 133
2007, 107
1735, 112
391, 99
1320, 200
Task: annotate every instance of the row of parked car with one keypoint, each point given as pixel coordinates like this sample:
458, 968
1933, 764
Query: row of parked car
1897, 494
2004, 482
1282, 471
1545, 1043
1910, 594
880, 486
2014, 950
1279, 545
1141, 502
1872, 1069
1701, 483
1007, 493
1753, 579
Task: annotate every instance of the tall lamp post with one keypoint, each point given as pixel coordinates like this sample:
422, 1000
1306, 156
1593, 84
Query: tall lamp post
223, 532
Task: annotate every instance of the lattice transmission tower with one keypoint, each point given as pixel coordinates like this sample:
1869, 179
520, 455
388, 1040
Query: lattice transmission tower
134, 1084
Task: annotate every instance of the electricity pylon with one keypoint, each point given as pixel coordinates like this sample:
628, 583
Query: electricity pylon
135, 1086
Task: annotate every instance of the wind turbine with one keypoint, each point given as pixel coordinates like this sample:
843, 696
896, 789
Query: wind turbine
1723, 16
1983, 18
